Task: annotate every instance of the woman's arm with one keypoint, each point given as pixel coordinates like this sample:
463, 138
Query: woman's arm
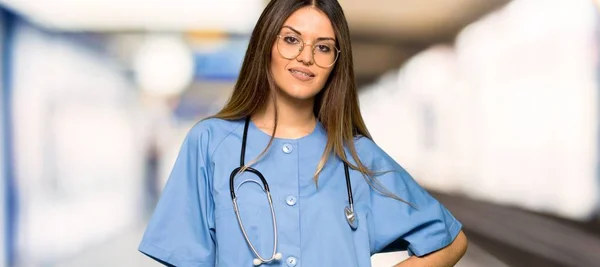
448, 256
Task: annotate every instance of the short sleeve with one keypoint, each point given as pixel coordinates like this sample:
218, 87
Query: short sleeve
397, 226
181, 229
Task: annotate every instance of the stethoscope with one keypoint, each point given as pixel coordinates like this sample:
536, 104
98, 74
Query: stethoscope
348, 211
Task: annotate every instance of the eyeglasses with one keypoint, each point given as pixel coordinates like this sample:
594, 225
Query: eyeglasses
324, 53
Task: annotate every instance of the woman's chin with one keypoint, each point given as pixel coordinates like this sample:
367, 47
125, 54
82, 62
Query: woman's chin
301, 93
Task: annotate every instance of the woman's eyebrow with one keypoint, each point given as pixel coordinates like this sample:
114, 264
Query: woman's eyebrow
298, 32
294, 30
325, 38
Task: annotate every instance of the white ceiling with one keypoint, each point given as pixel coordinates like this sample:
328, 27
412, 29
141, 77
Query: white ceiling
123, 15
414, 19
411, 18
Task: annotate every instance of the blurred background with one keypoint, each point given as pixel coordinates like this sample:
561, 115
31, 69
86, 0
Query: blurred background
491, 105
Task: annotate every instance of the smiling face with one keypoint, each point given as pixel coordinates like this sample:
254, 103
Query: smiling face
303, 54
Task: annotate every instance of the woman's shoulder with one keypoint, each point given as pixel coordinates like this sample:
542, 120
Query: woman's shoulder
370, 152
216, 126
212, 131
366, 146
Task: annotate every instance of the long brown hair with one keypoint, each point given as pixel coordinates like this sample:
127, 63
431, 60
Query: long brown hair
336, 105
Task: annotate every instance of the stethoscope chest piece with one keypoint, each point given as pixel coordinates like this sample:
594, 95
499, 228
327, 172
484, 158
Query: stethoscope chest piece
351, 217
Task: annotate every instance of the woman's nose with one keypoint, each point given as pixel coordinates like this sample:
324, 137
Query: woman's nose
306, 55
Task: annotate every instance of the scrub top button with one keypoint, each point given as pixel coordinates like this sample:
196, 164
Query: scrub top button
291, 200
287, 148
291, 261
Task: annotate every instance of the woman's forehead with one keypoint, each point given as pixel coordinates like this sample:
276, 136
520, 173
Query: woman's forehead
311, 22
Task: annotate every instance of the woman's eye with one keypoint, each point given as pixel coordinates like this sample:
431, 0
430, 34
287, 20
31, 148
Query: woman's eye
324, 48
290, 39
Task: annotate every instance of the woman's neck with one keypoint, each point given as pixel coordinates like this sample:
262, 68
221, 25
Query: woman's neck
295, 118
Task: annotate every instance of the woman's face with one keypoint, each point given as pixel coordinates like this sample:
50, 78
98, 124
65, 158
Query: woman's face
293, 66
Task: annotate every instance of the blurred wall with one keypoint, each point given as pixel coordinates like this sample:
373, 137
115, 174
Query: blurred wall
508, 113
79, 148
3, 174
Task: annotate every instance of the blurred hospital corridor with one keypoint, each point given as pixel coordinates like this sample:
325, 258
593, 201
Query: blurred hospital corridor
492, 106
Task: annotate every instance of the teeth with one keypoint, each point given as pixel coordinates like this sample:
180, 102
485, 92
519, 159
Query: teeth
299, 72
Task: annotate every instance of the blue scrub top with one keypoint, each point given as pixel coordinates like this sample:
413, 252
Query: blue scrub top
194, 223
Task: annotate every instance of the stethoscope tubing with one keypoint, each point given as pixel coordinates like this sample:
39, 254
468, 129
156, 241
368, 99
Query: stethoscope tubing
350, 215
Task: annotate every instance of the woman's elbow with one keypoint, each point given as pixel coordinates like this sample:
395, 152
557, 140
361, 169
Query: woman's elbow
460, 244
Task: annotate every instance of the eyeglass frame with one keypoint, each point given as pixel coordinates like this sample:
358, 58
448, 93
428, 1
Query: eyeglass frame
313, 51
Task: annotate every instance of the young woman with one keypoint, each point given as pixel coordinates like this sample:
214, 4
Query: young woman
286, 173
